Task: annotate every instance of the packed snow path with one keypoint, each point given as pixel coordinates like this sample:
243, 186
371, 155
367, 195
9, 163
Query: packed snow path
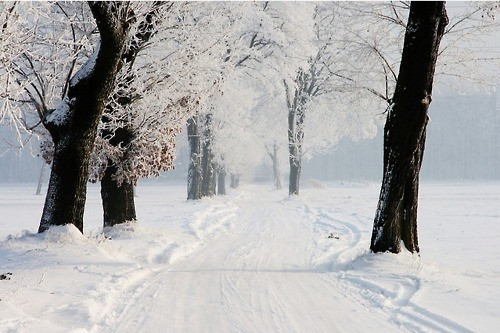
253, 261
268, 265
259, 278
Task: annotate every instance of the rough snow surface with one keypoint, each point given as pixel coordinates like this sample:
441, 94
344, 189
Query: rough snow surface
253, 261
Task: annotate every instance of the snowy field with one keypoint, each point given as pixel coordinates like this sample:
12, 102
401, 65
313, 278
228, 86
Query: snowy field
253, 261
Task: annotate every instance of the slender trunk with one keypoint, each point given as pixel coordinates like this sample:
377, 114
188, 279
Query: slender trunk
221, 182
40, 179
235, 181
208, 165
194, 171
213, 180
295, 168
117, 199
295, 140
405, 130
73, 127
296, 105
276, 168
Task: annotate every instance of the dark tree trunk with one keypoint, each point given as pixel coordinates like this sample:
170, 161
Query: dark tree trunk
306, 89
221, 182
194, 171
117, 199
207, 163
65, 200
295, 168
73, 128
295, 140
276, 169
405, 130
235, 181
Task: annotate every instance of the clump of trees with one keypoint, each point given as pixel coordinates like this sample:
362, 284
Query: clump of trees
108, 86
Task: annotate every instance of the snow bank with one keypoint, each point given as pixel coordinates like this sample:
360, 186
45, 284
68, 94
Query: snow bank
64, 234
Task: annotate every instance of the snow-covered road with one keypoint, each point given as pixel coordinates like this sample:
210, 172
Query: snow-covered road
260, 277
254, 261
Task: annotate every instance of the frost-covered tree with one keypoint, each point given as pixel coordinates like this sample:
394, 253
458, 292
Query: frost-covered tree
405, 130
237, 142
42, 45
160, 81
118, 194
322, 104
215, 22
137, 132
10, 49
374, 38
372, 34
64, 73
73, 124
249, 34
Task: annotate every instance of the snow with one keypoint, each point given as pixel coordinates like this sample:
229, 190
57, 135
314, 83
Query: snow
87, 68
252, 261
60, 114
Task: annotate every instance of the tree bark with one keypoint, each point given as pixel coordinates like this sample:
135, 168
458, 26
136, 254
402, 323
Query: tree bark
295, 168
73, 127
208, 165
117, 199
295, 141
405, 130
306, 89
221, 182
194, 171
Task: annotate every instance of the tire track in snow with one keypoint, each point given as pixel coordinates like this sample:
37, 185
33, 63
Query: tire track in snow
394, 297
133, 292
258, 278
268, 274
255, 257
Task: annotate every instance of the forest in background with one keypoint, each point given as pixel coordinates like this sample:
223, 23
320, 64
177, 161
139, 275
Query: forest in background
463, 144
